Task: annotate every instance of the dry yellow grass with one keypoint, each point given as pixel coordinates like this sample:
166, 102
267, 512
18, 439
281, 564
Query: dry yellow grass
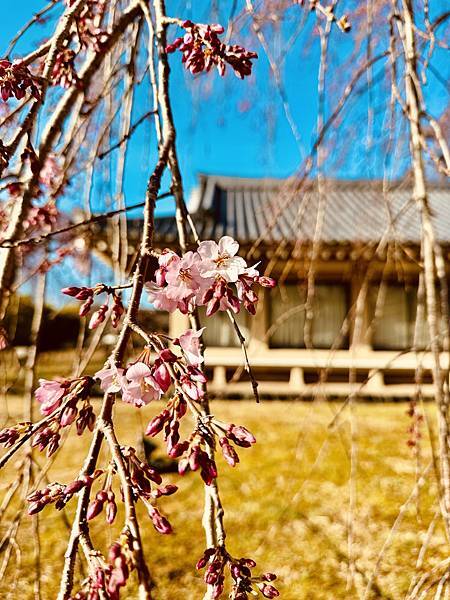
287, 505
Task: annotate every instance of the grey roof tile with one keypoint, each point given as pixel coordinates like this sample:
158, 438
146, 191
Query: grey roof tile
353, 211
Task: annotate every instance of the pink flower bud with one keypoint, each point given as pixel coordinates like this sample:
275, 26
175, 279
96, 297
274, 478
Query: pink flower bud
74, 487
168, 356
160, 523
94, 509
167, 490
178, 449
102, 496
157, 423
71, 291
183, 466
35, 507
267, 282
212, 306
203, 561
268, 591
229, 453
240, 435
111, 511
98, 317
162, 376
86, 307
68, 416
84, 293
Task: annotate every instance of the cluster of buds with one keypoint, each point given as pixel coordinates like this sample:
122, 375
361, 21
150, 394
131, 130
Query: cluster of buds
64, 73
10, 435
169, 421
231, 434
196, 457
244, 584
58, 493
16, 80
96, 506
88, 24
59, 401
144, 480
87, 294
202, 49
110, 575
47, 438
213, 276
192, 451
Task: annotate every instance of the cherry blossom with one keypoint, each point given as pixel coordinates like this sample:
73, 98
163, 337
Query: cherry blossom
49, 394
190, 344
220, 260
183, 277
158, 297
139, 387
110, 379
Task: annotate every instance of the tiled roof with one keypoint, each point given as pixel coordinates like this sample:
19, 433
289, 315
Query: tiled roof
275, 210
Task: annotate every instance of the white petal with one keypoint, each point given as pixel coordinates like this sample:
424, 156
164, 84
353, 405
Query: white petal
138, 371
208, 250
228, 245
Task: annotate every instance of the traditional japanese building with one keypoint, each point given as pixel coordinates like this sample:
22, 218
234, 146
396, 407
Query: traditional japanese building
342, 318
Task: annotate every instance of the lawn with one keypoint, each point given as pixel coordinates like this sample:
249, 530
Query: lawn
287, 504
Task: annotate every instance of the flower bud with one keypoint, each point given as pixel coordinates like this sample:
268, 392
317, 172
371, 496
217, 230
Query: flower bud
240, 435
74, 487
86, 307
111, 511
71, 291
229, 453
168, 356
160, 523
84, 293
98, 317
178, 449
94, 509
35, 507
212, 306
68, 416
157, 423
268, 591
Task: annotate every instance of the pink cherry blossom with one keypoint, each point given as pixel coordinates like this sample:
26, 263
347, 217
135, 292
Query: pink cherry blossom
220, 260
49, 394
183, 277
139, 387
190, 344
158, 297
110, 379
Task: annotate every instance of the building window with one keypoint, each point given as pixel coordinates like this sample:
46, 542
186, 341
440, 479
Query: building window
220, 331
287, 316
393, 309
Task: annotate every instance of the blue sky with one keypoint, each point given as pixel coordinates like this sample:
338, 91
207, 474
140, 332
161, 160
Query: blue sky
235, 127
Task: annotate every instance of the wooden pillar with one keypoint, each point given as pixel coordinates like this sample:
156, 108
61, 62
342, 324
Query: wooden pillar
359, 301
